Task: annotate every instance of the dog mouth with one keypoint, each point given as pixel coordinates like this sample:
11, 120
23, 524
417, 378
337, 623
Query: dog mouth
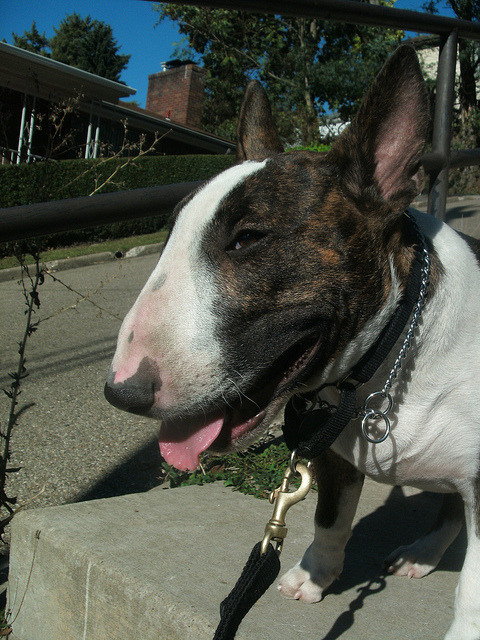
181, 442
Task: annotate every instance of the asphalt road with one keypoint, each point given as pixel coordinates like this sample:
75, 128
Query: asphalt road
69, 442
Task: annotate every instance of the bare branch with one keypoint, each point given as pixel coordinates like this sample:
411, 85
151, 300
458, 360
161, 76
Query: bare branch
83, 297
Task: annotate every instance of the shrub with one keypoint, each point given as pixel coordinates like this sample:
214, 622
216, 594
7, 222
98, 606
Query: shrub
42, 182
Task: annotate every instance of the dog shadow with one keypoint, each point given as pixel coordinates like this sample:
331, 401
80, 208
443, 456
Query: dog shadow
457, 212
399, 521
140, 472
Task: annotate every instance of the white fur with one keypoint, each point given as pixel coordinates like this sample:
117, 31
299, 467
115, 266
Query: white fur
466, 623
172, 319
437, 389
435, 438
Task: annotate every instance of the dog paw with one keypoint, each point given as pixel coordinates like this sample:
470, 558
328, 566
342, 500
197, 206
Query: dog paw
308, 579
308, 584
297, 584
413, 561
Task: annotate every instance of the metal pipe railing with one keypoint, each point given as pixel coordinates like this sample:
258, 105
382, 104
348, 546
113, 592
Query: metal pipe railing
442, 123
353, 12
44, 218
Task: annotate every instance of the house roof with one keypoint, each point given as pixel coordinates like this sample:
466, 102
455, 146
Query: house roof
22, 70
149, 120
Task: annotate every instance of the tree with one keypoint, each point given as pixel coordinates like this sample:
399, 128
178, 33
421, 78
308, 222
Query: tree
466, 124
84, 43
32, 41
99, 52
308, 66
469, 57
89, 45
67, 43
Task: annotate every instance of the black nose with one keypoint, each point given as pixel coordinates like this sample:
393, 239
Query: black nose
129, 397
137, 393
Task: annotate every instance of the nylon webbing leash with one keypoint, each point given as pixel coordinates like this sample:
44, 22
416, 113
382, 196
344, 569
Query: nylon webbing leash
258, 574
308, 433
263, 565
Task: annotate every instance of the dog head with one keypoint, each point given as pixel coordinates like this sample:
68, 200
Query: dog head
276, 273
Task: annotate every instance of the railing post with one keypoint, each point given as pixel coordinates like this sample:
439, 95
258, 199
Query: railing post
31, 127
442, 124
97, 138
21, 133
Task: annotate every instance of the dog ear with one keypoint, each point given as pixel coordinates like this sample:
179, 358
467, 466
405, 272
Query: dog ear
378, 155
257, 136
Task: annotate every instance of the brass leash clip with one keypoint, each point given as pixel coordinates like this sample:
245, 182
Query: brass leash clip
276, 530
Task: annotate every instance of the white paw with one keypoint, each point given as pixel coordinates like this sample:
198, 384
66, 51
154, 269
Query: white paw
414, 560
297, 584
308, 579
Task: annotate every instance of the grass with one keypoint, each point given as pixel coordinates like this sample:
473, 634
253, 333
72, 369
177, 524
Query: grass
256, 472
120, 244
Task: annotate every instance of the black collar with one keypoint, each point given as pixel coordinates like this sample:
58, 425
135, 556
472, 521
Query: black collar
310, 433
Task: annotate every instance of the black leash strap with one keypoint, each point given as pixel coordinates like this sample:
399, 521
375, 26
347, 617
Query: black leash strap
263, 565
315, 431
258, 574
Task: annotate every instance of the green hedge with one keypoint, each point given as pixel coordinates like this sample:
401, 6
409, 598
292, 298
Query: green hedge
26, 184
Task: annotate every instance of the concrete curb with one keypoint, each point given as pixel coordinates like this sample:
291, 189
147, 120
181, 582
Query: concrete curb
15, 273
157, 565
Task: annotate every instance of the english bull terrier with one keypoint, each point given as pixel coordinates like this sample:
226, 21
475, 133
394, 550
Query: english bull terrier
277, 276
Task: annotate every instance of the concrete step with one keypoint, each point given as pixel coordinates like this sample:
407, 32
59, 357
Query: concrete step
156, 566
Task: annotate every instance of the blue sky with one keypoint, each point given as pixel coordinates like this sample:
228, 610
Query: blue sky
133, 23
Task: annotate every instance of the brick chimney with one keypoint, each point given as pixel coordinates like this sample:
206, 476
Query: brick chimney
177, 92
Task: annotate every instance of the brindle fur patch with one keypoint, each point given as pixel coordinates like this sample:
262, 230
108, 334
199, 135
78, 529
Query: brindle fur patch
320, 267
314, 271
256, 134
325, 231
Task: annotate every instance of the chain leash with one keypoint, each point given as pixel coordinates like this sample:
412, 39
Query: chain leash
370, 414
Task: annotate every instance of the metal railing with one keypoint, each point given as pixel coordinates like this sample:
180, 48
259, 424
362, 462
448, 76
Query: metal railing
11, 156
39, 219
33, 220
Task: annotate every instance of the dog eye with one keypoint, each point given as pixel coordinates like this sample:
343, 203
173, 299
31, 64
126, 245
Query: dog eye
244, 239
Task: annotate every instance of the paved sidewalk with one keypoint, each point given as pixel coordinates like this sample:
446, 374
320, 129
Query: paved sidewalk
85, 261
156, 566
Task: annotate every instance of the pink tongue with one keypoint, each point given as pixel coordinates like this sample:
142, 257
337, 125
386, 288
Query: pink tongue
184, 455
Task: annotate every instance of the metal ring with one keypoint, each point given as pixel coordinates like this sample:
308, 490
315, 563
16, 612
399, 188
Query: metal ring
385, 395
293, 461
373, 414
